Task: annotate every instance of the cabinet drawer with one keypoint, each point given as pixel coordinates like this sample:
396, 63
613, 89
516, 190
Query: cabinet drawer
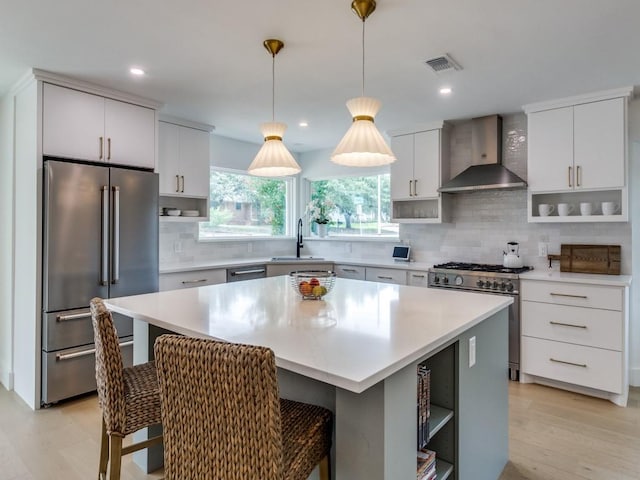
575, 364
417, 279
350, 271
386, 275
273, 270
575, 294
582, 326
198, 278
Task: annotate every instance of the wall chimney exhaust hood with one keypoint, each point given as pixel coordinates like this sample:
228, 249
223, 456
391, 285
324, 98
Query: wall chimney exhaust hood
486, 171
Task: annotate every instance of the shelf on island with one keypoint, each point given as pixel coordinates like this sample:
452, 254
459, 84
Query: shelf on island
443, 469
438, 419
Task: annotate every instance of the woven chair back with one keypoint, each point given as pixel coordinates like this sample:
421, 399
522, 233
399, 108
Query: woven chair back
220, 410
109, 368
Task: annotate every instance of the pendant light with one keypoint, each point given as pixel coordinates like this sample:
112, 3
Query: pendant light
363, 145
273, 159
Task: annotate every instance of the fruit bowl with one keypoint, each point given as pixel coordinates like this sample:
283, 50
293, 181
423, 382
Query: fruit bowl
312, 284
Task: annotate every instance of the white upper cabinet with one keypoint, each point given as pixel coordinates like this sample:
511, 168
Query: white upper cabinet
580, 147
130, 131
183, 160
85, 126
550, 149
599, 144
416, 172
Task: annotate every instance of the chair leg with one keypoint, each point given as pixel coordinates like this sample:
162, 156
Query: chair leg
115, 457
325, 468
104, 453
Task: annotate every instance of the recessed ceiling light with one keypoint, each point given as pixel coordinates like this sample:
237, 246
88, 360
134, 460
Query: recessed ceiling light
445, 91
136, 71
303, 124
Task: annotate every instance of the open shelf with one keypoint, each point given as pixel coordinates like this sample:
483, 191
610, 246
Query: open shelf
443, 469
438, 419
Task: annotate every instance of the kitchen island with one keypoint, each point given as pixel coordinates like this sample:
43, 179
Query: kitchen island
356, 352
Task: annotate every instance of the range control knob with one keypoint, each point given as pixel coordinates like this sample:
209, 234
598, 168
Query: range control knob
509, 287
495, 285
445, 280
503, 286
459, 280
436, 279
480, 283
487, 284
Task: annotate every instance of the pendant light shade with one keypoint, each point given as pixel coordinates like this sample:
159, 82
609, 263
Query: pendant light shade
363, 145
273, 158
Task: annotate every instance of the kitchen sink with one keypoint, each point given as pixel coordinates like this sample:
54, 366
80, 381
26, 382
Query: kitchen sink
295, 259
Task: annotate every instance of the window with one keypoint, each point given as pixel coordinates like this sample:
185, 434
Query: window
362, 205
245, 206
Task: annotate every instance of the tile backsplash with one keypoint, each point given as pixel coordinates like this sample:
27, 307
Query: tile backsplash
480, 226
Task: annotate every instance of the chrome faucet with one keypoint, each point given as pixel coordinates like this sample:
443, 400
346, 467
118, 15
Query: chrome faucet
299, 244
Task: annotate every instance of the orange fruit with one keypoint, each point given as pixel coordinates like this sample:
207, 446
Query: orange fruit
305, 288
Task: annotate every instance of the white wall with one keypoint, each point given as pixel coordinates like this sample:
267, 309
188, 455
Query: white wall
317, 165
634, 200
6, 241
27, 247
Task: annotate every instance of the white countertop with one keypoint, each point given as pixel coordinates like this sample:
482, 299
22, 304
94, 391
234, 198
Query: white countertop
361, 333
586, 278
232, 263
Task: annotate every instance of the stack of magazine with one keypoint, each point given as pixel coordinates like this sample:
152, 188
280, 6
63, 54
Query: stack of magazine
424, 405
426, 465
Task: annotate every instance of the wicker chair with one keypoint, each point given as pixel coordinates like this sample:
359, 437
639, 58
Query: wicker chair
129, 397
222, 416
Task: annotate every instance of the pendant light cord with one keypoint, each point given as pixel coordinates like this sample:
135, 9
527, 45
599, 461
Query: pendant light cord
363, 22
273, 88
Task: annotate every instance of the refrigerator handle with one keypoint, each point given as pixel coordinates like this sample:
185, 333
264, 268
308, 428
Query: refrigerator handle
115, 254
104, 261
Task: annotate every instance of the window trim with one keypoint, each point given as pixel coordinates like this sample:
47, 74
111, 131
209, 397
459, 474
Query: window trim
291, 194
305, 198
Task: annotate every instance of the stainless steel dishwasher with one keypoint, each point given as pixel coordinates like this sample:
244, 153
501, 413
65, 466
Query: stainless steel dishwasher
247, 272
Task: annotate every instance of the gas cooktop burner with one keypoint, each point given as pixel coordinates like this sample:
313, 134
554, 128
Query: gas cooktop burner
480, 267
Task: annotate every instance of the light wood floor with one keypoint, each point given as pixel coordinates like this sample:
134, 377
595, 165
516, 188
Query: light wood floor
553, 435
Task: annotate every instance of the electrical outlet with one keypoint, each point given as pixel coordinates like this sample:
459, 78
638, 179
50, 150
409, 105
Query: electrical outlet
472, 351
177, 246
543, 249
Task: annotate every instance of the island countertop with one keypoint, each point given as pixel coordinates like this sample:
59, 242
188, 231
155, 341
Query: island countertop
361, 333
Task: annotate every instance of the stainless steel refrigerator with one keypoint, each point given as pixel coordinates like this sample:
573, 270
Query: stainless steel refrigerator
100, 240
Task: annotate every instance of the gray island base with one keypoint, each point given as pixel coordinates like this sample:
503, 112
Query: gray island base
373, 397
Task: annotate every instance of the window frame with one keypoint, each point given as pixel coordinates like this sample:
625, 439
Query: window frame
305, 198
291, 194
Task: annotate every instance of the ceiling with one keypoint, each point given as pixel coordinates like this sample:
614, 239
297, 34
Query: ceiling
205, 60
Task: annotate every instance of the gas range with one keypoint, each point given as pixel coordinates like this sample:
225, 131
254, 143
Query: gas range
476, 277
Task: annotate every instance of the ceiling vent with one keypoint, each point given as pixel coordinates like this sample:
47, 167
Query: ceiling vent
443, 64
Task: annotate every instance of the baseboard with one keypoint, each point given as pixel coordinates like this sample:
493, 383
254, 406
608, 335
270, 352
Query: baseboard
6, 379
634, 377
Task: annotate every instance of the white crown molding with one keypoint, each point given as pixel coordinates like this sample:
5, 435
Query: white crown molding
87, 87
186, 123
579, 99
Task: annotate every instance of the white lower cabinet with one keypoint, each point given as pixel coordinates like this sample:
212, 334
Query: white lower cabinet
386, 275
575, 336
417, 278
350, 271
197, 278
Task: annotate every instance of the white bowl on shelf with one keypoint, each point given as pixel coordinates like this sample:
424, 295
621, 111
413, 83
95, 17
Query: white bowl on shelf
174, 213
190, 213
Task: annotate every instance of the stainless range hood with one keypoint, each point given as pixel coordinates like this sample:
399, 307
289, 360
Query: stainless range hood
486, 171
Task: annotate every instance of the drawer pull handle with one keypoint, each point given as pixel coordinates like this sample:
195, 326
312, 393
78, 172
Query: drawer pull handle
247, 272
384, 278
85, 353
189, 282
352, 270
567, 295
74, 316
567, 324
417, 276
582, 365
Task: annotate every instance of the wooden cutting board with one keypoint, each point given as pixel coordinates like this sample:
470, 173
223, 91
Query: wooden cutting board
604, 259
